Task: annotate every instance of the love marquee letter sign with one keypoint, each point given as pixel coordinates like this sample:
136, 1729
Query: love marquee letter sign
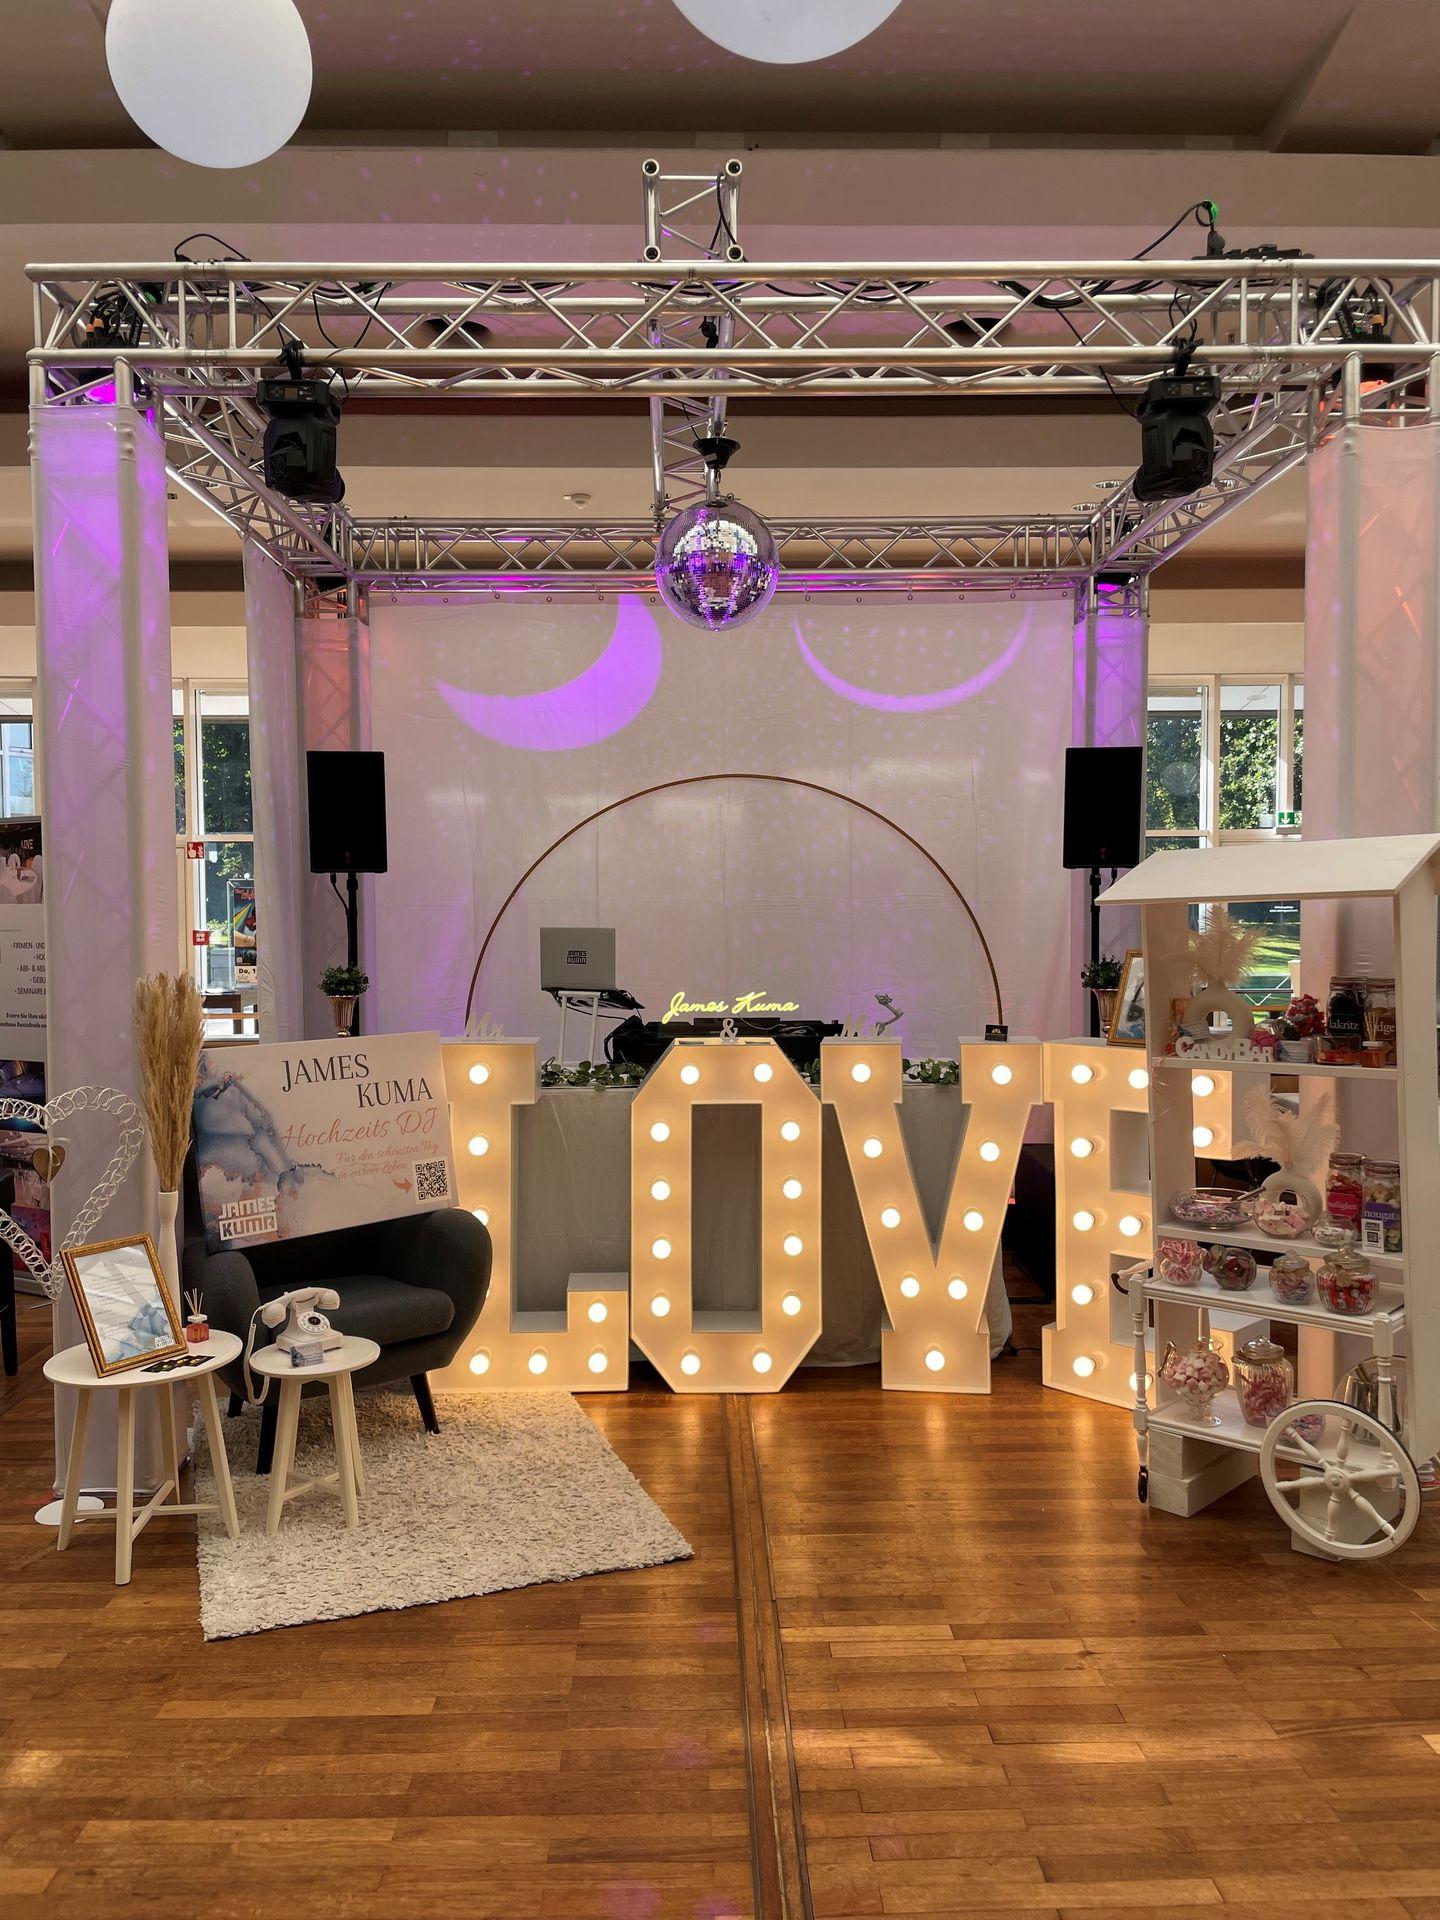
935, 1339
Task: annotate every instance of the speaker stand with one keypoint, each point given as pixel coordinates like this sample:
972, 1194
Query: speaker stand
1095, 942
351, 904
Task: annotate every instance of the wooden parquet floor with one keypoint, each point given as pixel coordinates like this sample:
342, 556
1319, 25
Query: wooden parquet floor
993, 1685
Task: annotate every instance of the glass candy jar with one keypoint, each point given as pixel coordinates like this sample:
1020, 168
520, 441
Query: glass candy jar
1332, 1232
1195, 1377
1179, 1262
1291, 1279
1286, 1208
1347, 1283
1232, 1268
1264, 1381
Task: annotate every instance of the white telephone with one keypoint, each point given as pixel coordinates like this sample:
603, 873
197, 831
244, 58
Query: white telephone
299, 1315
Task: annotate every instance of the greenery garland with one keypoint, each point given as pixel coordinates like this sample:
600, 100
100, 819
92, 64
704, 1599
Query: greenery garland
603, 1078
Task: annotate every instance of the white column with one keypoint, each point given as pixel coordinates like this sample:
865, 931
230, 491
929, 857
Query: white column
335, 715
106, 754
277, 786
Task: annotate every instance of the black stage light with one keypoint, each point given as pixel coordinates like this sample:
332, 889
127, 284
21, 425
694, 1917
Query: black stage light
301, 436
1177, 441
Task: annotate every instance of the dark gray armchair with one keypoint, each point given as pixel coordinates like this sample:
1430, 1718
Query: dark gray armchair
414, 1285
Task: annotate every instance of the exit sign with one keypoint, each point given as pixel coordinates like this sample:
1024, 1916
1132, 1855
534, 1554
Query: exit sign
194, 849
199, 936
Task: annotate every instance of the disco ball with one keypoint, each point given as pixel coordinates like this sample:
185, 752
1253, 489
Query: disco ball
717, 565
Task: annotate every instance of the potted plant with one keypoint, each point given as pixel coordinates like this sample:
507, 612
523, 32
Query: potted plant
1102, 977
342, 987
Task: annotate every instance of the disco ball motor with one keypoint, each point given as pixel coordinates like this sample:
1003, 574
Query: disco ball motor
717, 565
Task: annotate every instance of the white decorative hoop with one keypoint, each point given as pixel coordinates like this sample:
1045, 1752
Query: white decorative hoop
51, 1274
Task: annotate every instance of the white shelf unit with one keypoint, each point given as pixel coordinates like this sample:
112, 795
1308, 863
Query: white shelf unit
1191, 1464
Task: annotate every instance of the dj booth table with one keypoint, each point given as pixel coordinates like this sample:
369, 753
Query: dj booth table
574, 1208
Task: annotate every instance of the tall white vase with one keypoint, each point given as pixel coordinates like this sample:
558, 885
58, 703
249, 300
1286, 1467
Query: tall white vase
166, 1247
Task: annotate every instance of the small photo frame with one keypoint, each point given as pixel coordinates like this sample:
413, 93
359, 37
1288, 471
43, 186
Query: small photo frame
123, 1303
1127, 1021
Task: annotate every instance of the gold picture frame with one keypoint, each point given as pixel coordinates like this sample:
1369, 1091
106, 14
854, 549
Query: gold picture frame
1127, 1016
124, 1304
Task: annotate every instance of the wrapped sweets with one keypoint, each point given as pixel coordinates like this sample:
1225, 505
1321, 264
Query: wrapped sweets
1291, 1279
1232, 1268
1264, 1382
1210, 1207
1180, 1262
1347, 1283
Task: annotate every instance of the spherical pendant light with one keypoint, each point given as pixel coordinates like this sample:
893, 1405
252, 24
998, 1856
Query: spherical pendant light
717, 565
785, 32
221, 83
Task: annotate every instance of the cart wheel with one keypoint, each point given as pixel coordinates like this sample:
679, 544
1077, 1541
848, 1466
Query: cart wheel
1354, 1493
1142, 1486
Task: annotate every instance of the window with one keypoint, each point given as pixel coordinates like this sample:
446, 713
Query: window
17, 756
215, 828
1224, 762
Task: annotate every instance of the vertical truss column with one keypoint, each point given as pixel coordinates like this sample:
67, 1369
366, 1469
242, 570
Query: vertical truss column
679, 209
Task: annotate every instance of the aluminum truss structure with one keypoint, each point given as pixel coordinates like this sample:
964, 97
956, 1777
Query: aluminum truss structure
1280, 335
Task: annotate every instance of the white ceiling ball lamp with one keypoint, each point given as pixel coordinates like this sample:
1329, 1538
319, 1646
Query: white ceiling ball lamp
786, 32
214, 83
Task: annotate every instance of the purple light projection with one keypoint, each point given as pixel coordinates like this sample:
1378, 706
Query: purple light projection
597, 703
914, 702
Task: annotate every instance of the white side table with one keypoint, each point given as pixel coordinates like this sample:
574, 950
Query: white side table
335, 1370
74, 1368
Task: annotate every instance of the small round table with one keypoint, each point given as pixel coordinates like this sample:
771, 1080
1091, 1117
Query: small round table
74, 1368
335, 1370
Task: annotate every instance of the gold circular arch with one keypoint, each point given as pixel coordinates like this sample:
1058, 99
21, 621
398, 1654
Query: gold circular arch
772, 779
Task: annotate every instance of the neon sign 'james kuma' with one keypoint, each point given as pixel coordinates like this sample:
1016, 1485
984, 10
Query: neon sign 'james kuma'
755, 1002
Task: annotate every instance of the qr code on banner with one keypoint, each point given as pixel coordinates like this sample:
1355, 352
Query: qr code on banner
432, 1181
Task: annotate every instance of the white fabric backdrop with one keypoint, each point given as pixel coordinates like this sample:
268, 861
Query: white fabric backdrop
505, 723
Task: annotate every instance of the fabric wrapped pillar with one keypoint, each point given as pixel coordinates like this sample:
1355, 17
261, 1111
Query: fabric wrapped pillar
1112, 637
277, 786
106, 754
335, 717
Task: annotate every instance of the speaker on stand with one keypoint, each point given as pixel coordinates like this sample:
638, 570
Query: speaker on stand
1103, 792
345, 794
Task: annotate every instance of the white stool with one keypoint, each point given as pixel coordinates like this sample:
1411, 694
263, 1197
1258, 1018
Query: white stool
335, 1370
74, 1368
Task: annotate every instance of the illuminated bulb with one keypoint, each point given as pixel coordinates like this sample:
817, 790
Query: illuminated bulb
764, 1071
1081, 1147
480, 1362
1082, 1075
762, 1362
989, 1149
659, 1131
482, 1214
479, 1144
909, 1286
860, 1071
660, 1190
1082, 1221
1202, 1085
1139, 1078
538, 1361
889, 1216
958, 1288
793, 1244
479, 1075
791, 1304
872, 1149
1083, 1365
792, 1189
660, 1305
934, 1359
1129, 1225
790, 1130
660, 1248
1002, 1075
598, 1312
1203, 1136
973, 1221
690, 1074
690, 1363
1134, 1382
598, 1362
1082, 1295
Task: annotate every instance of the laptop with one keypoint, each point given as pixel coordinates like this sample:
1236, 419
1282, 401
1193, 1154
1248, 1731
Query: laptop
577, 959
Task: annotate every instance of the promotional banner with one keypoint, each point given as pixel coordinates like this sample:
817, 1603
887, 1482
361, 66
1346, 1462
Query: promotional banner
22, 1016
306, 1137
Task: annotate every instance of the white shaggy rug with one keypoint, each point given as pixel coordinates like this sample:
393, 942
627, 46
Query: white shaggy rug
516, 1489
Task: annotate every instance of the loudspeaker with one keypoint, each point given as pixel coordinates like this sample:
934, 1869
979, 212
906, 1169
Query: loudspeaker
347, 812
1102, 806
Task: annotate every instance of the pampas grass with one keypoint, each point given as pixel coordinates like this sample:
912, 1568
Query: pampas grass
1222, 951
169, 1029
1301, 1141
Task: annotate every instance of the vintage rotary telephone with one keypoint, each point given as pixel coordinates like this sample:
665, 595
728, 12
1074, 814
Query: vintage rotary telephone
299, 1316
